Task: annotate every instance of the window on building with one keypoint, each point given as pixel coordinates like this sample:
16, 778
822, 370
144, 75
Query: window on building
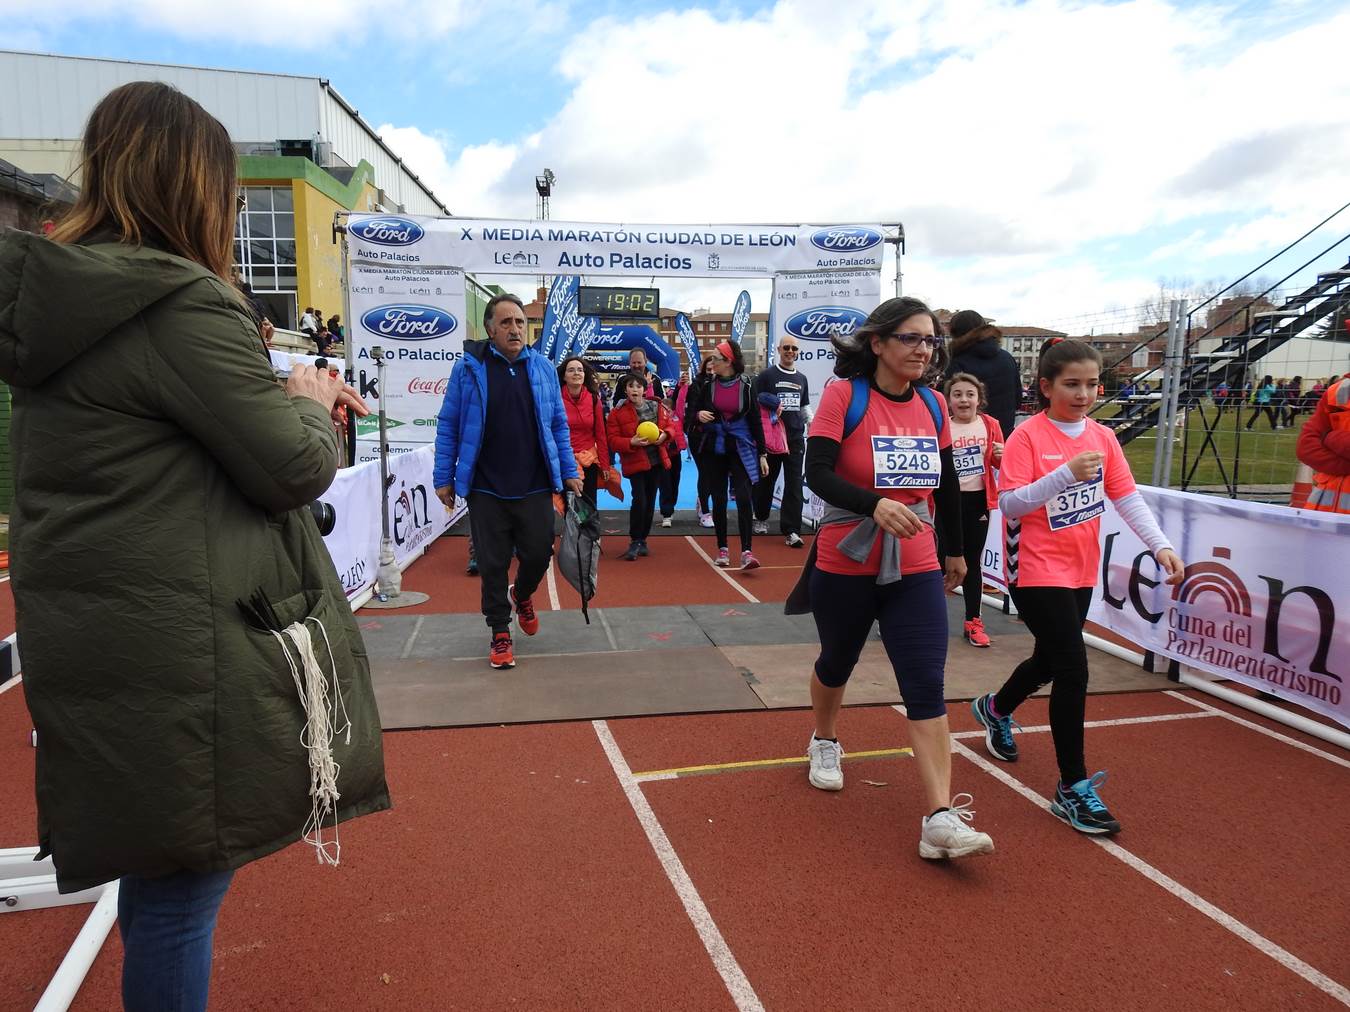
264, 246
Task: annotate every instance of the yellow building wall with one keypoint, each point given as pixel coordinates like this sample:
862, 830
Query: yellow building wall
318, 259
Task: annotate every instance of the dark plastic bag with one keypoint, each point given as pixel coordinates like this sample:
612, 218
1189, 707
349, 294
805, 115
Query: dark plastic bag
579, 553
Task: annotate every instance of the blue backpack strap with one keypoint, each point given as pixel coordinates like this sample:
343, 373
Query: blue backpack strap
931, 400
859, 393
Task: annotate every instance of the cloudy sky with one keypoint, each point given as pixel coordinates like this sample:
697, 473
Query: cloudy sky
1050, 160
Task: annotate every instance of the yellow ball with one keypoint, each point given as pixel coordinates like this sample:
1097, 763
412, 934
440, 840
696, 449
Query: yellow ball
648, 431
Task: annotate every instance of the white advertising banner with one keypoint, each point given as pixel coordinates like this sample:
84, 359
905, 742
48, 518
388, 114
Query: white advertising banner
354, 542
416, 516
1263, 602
416, 316
482, 246
991, 562
811, 307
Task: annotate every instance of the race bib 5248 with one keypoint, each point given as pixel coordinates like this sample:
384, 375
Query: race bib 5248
905, 462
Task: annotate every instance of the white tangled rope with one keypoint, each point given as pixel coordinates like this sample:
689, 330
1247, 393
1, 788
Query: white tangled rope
321, 716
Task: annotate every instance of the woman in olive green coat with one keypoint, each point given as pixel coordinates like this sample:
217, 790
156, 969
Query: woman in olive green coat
160, 476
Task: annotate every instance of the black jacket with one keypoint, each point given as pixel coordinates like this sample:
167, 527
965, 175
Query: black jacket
997, 370
700, 398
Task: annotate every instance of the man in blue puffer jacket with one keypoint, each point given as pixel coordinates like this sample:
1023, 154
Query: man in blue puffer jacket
502, 443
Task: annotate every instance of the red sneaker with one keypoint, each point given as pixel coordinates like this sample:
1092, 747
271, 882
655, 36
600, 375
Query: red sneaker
975, 634
525, 616
501, 655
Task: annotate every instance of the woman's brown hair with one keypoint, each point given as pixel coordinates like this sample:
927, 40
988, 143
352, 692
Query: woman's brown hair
157, 169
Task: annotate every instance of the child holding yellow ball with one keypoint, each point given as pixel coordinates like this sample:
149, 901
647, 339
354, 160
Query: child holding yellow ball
638, 431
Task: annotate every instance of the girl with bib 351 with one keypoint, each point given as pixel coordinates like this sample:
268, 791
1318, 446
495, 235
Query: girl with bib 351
1059, 468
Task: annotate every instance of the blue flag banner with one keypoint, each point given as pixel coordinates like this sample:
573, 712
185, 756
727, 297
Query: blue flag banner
686, 334
562, 294
586, 335
740, 317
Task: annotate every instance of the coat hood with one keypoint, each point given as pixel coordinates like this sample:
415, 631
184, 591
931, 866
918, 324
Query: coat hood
982, 342
58, 300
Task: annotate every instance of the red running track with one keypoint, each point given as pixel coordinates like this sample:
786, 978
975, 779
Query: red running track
515, 871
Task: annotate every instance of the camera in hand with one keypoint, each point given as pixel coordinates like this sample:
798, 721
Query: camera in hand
324, 516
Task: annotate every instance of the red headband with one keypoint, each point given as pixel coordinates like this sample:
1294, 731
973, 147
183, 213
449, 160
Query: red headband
724, 349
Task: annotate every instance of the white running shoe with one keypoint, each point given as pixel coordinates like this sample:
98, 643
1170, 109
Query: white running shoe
947, 835
665, 521
760, 527
826, 771
705, 519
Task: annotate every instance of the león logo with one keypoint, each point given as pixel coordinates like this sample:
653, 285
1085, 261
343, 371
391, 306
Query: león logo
410, 520
1213, 619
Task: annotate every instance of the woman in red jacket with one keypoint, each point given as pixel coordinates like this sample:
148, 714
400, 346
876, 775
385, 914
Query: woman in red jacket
642, 460
586, 420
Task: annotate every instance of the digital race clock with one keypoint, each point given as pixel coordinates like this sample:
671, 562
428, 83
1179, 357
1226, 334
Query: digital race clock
593, 301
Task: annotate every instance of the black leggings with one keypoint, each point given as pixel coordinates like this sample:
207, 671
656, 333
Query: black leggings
974, 527
1055, 616
642, 486
590, 481
1256, 413
670, 482
719, 467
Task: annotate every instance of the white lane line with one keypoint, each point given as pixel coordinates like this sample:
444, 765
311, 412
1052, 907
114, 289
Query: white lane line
412, 638
732, 975
1284, 957
609, 633
1217, 712
11, 683
1118, 722
719, 570
552, 588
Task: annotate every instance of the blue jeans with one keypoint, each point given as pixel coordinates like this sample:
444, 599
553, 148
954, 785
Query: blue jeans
167, 925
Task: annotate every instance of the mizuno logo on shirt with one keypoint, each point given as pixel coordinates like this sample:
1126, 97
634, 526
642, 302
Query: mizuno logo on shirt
1052, 456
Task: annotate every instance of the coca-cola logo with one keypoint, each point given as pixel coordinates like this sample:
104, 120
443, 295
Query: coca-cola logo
418, 385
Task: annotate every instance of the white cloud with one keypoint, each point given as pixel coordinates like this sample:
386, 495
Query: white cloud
997, 132
1030, 148
293, 25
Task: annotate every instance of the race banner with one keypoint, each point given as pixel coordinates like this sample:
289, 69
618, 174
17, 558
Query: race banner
354, 542
1263, 602
690, 342
812, 307
416, 516
577, 331
740, 316
561, 294
482, 246
416, 316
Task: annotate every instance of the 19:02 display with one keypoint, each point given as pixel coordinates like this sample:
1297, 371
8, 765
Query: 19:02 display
637, 302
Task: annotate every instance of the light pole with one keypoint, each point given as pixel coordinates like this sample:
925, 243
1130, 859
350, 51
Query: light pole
543, 186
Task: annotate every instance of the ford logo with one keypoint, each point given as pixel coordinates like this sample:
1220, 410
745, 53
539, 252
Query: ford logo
388, 231
824, 322
845, 239
409, 323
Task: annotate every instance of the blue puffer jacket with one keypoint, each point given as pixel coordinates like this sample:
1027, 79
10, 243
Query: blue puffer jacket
459, 426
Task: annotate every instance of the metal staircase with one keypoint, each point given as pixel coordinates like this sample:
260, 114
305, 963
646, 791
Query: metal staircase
1230, 360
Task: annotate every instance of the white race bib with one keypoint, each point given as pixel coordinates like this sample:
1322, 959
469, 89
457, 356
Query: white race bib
1077, 504
969, 461
791, 400
905, 462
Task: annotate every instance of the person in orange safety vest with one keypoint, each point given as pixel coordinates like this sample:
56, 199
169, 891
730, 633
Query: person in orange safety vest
1324, 445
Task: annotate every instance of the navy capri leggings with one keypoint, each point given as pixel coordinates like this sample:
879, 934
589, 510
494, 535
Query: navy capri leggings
912, 614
